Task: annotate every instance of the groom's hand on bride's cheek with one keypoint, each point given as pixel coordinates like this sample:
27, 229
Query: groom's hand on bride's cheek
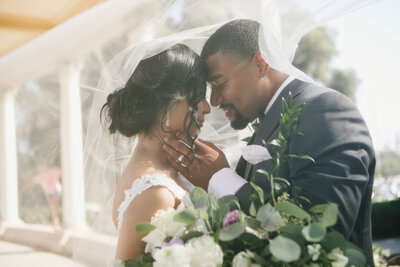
197, 166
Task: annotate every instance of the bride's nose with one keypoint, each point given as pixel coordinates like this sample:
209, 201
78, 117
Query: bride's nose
204, 107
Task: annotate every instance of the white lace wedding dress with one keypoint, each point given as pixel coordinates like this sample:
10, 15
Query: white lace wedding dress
149, 180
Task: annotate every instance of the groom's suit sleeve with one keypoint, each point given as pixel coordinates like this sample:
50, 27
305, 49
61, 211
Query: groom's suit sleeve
336, 136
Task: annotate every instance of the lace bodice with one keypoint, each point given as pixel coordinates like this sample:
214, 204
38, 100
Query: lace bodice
142, 184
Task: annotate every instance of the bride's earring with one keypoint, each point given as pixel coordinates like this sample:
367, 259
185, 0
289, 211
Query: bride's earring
167, 123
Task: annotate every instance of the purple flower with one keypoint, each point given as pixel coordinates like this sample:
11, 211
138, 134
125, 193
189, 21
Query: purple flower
230, 217
173, 241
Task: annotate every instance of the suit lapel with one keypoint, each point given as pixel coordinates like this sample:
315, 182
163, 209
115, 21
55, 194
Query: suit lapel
269, 124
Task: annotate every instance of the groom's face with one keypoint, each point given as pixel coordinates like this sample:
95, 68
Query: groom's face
234, 87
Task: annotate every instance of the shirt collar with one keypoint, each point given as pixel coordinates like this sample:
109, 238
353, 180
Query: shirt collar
277, 93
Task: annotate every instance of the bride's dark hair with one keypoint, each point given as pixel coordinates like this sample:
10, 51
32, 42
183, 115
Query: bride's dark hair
157, 83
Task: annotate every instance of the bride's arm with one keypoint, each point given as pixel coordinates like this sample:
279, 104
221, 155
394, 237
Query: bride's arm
141, 209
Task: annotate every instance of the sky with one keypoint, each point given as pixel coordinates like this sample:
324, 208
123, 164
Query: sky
368, 41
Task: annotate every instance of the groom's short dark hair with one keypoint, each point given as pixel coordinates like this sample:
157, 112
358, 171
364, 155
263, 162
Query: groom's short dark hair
238, 37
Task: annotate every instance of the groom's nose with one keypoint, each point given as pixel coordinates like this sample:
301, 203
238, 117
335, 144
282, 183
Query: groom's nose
216, 98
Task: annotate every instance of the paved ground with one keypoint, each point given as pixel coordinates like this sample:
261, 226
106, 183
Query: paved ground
14, 255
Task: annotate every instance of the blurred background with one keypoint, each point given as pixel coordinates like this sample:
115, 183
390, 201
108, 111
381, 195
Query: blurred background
356, 55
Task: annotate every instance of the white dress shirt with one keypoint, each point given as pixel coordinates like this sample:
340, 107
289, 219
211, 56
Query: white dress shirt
219, 184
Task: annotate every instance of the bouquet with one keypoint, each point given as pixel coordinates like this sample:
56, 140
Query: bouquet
275, 231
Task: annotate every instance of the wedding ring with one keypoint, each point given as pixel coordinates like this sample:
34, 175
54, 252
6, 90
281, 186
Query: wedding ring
180, 158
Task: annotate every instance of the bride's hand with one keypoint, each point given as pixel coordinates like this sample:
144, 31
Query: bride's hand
197, 166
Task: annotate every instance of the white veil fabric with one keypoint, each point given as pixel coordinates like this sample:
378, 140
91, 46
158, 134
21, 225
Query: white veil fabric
283, 24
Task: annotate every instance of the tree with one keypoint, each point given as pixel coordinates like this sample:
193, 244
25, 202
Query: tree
388, 163
344, 81
314, 55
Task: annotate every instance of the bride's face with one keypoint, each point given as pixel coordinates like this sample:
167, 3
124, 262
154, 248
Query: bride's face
178, 113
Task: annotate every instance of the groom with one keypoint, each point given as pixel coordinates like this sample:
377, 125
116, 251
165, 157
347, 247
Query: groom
245, 87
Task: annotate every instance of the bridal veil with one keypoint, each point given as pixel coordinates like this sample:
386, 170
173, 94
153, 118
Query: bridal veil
283, 24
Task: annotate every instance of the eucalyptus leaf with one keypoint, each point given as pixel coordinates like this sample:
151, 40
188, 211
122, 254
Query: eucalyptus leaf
228, 203
291, 209
268, 217
214, 211
314, 232
144, 227
284, 249
329, 217
320, 208
187, 216
293, 231
253, 223
191, 235
231, 232
199, 197
356, 258
334, 240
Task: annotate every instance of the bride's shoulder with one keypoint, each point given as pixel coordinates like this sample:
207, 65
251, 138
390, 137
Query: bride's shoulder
150, 190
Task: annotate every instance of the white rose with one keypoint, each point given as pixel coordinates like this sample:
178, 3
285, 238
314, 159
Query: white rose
164, 220
165, 226
255, 154
205, 252
313, 251
313, 264
241, 260
172, 256
337, 258
154, 239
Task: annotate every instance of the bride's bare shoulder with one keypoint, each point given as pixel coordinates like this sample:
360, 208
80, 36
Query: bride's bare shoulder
157, 197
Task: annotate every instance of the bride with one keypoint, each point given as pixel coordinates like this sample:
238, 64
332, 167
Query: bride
164, 96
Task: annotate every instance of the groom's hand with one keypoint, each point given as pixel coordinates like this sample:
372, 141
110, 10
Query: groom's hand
197, 166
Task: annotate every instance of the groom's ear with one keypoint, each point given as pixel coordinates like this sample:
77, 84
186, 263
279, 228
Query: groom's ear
259, 61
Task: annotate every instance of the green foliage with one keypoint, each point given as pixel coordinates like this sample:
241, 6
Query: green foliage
356, 258
314, 56
315, 53
187, 216
385, 219
292, 210
388, 163
344, 81
314, 232
285, 249
144, 227
199, 197
231, 232
277, 231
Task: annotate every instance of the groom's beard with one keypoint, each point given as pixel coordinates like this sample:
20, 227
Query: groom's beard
238, 122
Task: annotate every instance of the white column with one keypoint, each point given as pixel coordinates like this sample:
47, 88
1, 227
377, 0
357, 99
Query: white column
8, 159
72, 147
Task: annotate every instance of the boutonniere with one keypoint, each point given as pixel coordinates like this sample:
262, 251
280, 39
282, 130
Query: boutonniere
255, 154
